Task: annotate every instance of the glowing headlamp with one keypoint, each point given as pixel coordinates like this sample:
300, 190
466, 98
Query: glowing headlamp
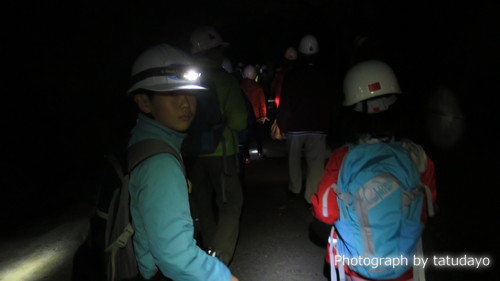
191, 75
174, 72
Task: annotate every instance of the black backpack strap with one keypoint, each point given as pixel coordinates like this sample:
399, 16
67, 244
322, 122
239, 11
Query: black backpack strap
144, 149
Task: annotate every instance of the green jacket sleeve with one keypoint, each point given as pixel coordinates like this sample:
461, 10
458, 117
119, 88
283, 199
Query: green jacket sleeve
234, 104
233, 107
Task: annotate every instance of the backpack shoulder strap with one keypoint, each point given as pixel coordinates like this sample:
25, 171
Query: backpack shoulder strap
417, 154
144, 149
121, 237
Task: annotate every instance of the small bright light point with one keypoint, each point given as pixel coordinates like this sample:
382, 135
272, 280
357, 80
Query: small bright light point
191, 75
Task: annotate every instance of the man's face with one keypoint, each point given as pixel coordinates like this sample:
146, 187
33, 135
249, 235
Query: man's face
175, 109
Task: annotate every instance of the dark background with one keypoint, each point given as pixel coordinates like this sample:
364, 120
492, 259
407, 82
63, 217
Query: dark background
68, 67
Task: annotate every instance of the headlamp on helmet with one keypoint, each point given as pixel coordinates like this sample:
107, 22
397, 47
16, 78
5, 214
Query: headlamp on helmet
168, 79
163, 68
191, 75
173, 72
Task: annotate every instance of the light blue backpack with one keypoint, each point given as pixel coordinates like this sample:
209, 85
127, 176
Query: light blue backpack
380, 198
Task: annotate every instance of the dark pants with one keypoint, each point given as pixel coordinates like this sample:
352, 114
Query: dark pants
219, 198
256, 132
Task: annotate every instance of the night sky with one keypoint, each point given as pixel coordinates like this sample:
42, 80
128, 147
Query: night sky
69, 66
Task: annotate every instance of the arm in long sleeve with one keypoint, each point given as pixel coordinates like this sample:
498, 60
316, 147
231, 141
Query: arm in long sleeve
262, 103
324, 201
429, 179
165, 226
288, 92
234, 105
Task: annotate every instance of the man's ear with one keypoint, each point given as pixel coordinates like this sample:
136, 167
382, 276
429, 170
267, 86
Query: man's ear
143, 102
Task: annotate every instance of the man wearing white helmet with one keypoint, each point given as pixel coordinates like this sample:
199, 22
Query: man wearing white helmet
164, 86
373, 116
304, 117
215, 175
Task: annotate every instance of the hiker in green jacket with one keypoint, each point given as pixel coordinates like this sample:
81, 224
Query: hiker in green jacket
216, 173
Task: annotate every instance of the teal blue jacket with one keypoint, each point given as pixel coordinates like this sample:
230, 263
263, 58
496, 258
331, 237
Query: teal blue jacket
161, 217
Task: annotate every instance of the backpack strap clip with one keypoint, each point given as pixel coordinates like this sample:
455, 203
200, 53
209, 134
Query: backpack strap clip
428, 196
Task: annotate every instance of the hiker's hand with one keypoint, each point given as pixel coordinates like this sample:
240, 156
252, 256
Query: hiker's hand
263, 119
190, 186
234, 278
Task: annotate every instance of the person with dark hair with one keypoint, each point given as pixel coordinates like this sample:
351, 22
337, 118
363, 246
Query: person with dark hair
164, 87
374, 122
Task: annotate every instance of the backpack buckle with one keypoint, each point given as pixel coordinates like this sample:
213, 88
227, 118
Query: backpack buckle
122, 240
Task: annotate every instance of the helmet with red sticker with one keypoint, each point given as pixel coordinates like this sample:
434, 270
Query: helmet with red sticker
371, 86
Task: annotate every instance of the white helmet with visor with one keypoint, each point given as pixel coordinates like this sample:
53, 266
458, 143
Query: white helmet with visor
163, 68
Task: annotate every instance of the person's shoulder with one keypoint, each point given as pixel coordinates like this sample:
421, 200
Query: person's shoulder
341, 151
417, 154
222, 76
226, 75
161, 164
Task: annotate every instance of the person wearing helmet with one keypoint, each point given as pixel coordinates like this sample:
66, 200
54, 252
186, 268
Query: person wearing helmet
288, 63
255, 95
227, 65
304, 117
164, 85
374, 113
216, 173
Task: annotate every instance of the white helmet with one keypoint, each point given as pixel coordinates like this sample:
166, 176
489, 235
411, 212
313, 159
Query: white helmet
308, 45
291, 53
249, 72
204, 38
227, 65
370, 79
164, 68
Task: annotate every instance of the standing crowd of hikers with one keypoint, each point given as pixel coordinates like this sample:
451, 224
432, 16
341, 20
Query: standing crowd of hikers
376, 190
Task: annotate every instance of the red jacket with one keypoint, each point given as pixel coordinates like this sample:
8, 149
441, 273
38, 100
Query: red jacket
330, 176
255, 94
